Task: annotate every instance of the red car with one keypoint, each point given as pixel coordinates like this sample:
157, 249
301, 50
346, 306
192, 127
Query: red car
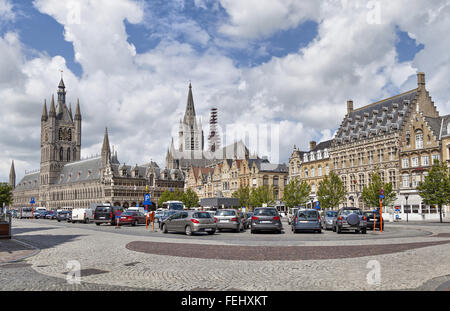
132, 218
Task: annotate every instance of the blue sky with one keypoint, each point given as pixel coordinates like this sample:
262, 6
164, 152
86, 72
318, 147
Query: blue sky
40, 33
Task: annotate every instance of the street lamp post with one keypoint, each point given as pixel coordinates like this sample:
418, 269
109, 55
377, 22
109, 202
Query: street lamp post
406, 197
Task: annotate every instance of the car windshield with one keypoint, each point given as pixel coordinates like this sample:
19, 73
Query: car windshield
129, 214
176, 206
266, 212
102, 209
331, 214
347, 212
226, 213
307, 214
201, 215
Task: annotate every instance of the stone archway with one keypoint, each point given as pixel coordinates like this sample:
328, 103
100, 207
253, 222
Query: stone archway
117, 204
133, 204
126, 205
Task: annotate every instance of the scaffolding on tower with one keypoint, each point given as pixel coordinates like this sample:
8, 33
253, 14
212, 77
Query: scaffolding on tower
213, 138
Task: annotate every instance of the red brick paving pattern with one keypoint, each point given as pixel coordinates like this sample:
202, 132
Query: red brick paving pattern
262, 253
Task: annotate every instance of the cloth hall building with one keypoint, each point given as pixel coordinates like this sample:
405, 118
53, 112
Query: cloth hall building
66, 180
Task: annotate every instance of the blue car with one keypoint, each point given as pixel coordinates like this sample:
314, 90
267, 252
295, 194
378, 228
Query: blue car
307, 220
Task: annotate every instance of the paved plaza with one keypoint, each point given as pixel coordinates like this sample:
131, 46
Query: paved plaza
408, 257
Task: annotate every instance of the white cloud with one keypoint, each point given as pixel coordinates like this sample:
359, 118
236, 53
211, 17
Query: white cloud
141, 97
6, 11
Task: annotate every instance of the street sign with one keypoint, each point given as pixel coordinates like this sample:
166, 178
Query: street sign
32, 200
118, 213
317, 206
381, 196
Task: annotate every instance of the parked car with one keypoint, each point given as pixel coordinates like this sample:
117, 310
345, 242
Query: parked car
350, 218
370, 220
266, 219
291, 214
248, 220
132, 218
105, 214
40, 214
50, 215
328, 219
189, 222
166, 214
229, 219
62, 215
84, 215
307, 219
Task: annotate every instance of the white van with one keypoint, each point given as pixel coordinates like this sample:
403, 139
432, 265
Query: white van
38, 209
82, 215
136, 209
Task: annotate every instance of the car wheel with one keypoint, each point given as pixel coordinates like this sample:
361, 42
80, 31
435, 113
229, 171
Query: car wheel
97, 223
364, 231
252, 231
211, 232
188, 230
319, 231
164, 229
59, 220
334, 229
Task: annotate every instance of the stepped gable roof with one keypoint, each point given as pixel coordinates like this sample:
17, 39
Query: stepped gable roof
29, 182
80, 171
385, 116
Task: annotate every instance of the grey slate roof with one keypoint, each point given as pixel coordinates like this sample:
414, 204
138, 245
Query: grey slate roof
80, 171
29, 182
445, 124
381, 117
435, 124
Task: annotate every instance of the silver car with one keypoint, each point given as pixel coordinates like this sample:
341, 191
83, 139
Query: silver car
266, 219
229, 219
329, 219
189, 222
307, 219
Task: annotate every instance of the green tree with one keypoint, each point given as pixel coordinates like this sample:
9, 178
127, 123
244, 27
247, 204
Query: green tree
435, 189
371, 192
262, 195
168, 195
190, 198
296, 193
243, 194
5, 194
331, 192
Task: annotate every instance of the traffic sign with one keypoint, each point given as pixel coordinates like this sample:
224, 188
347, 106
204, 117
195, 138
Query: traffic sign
118, 213
32, 200
381, 196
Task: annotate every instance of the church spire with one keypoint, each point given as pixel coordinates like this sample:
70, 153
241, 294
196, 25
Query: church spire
61, 93
12, 176
44, 112
106, 151
77, 111
52, 107
189, 116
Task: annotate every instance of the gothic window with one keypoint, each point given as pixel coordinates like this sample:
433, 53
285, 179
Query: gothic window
68, 154
408, 140
69, 135
61, 154
60, 134
74, 153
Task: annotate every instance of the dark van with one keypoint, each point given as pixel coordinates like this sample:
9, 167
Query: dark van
106, 214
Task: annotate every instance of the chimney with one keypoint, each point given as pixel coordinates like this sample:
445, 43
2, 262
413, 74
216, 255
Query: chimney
349, 106
421, 79
312, 145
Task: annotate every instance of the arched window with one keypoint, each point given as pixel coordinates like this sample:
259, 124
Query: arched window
74, 154
419, 140
68, 154
61, 154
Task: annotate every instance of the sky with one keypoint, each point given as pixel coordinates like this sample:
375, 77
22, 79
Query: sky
286, 65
